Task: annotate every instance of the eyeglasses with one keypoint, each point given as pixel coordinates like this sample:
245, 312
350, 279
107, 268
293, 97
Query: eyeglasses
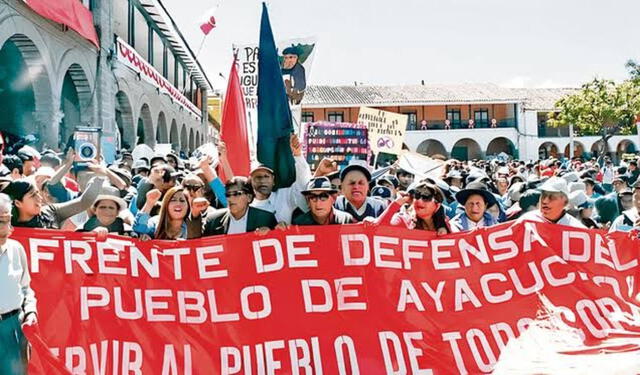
424, 197
193, 188
314, 197
230, 194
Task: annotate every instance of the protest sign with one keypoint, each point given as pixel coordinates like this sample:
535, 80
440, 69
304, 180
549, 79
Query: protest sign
339, 141
386, 129
351, 299
295, 73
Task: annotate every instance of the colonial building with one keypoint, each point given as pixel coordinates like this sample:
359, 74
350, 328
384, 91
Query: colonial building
142, 85
465, 121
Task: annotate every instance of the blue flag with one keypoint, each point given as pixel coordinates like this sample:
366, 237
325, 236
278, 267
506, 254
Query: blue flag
275, 125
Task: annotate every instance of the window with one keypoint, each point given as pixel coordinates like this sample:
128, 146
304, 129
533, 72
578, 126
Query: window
412, 120
171, 66
158, 53
481, 117
336, 117
453, 115
179, 84
121, 19
141, 34
307, 116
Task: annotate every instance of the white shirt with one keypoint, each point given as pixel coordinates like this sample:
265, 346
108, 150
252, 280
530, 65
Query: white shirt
283, 201
607, 175
566, 219
238, 226
619, 225
15, 292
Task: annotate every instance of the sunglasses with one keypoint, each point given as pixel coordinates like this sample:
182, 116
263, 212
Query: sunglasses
314, 197
193, 188
423, 197
234, 194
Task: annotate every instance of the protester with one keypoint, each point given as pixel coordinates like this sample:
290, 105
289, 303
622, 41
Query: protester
354, 183
320, 198
553, 203
17, 299
239, 217
630, 218
281, 202
476, 199
29, 211
424, 213
171, 222
105, 212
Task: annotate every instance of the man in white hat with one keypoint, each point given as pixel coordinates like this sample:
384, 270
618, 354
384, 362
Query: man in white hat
630, 218
552, 207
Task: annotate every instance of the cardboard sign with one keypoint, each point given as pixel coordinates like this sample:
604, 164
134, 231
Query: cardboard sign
339, 141
386, 129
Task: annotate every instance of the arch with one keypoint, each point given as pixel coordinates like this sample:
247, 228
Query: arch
466, 149
625, 146
144, 128
124, 121
75, 99
578, 150
183, 139
191, 141
548, 149
25, 92
502, 144
431, 147
174, 137
161, 129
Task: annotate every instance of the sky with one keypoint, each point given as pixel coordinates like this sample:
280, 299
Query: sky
512, 43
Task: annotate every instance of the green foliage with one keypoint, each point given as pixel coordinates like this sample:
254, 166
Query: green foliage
600, 107
634, 70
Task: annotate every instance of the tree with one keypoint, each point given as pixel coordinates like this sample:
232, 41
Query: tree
634, 69
600, 107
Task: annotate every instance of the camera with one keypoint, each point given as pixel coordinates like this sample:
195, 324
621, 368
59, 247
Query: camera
86, 143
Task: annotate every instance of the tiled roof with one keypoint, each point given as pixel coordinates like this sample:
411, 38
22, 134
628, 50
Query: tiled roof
544, 99
355, 96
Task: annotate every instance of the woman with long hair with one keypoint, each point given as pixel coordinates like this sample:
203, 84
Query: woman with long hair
171, 222
29, 209
425, 211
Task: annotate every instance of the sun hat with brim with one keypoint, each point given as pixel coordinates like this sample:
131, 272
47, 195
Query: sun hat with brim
112, 194
571, 176
576, 198
478, 188
319, 184
555, 185
157, 156
356, 165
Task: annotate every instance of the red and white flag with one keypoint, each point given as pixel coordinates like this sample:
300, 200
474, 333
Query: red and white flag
208, 21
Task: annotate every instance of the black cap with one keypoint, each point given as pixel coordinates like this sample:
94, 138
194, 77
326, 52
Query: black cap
381, 191
16, 190
319, 184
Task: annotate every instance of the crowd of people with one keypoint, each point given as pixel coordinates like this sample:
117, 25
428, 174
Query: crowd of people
168, 197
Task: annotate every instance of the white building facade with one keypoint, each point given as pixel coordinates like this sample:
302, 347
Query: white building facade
520, 127
53, 80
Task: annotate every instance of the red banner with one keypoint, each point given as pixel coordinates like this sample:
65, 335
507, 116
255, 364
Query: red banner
347, 299
70, 13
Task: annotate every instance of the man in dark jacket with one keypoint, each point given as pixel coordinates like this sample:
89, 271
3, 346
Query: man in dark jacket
320, 196
239, 217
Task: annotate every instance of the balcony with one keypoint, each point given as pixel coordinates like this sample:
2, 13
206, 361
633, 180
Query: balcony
463, 124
